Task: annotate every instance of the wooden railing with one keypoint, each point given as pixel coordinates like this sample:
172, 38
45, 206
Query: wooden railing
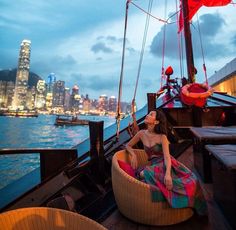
51, 160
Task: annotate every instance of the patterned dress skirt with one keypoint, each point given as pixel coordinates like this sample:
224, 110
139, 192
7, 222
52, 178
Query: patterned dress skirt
186, 191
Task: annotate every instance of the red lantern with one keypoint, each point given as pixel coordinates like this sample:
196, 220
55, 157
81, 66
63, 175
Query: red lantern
169, 71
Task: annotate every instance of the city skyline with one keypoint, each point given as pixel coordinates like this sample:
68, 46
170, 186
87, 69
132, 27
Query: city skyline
51, 96
40, 87
82, 43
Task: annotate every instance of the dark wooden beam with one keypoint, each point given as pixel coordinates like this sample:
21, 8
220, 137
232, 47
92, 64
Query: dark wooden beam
97, 150
151, 99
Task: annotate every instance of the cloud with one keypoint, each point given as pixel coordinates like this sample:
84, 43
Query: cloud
101, 47
82, 42
99, 58
95, 83
131, 50
211, 26
233, 40
171, 46
107, 44
110, 38
52, 64
65, 61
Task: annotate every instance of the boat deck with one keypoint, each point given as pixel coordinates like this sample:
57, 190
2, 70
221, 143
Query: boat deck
215, 220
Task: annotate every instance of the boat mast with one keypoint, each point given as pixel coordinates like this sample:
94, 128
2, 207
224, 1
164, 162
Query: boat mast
196, 111
188, 42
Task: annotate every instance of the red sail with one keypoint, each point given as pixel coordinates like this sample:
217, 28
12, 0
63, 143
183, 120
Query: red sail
215, 2
194, 5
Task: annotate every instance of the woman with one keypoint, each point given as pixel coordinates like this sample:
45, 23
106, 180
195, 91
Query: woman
165, 174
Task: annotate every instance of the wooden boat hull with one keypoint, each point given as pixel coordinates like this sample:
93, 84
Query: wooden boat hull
71, 123
94, 197
18, 114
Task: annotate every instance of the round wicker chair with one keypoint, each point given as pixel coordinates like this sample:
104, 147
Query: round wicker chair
38, 218
133, 197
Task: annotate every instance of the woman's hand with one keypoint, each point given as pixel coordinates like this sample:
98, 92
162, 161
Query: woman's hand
134, 161
168, 181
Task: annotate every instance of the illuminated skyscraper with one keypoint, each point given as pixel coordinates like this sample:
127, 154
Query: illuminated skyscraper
51, 82
22, 76
58, 94
103, 103
112, 104
74, 98
49, 91
6, 93
40, 99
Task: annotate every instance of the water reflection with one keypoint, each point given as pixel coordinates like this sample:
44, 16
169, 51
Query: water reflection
36, 133
41, 133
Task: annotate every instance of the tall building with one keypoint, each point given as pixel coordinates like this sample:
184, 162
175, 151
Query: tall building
31, 95
10, 86
49, 91
86, 104
67, 99
51, 82
2, 93
22, 76
49, 98
58, 94
74, 98
103, 103
112, 104
40, 99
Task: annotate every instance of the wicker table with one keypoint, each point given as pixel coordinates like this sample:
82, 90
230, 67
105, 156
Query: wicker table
36, 218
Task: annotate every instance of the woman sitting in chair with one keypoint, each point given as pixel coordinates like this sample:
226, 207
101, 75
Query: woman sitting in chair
164, 173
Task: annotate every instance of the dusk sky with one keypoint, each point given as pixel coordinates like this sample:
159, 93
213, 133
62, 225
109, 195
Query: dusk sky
81, 42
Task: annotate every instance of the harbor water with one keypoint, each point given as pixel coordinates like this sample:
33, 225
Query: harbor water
37, 132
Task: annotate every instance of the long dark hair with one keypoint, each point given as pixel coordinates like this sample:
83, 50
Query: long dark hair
161, 127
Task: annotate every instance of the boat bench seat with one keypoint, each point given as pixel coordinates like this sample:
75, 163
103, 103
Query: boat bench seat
202, 136
133, 197
223, 167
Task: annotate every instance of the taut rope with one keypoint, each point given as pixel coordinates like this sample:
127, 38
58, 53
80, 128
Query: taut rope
203, 58
142, 51
122, 72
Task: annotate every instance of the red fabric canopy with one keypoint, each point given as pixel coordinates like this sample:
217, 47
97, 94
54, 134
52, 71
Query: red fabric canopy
215, 2
194, 5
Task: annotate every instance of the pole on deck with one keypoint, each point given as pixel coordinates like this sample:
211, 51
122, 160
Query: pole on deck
151, 99
188, 43
196, 111
97, 150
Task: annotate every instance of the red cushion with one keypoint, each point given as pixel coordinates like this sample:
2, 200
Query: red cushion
127, 168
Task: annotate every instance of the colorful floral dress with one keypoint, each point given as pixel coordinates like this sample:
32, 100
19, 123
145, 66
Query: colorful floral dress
186, 191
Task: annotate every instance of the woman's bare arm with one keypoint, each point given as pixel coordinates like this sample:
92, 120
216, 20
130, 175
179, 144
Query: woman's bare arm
129, 147
167, 160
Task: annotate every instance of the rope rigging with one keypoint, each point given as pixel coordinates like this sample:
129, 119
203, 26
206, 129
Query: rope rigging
203, 57
163, 50
148, 13
142, 50
133, 129
180, 45
180, 49
118, 118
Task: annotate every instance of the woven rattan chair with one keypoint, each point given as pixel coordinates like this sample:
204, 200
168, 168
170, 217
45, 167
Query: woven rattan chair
39, 218
133, 197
